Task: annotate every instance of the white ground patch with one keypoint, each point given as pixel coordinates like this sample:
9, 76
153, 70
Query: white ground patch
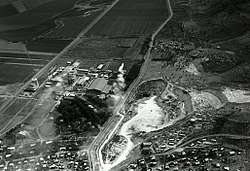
204, 100
237, 96
150, 117
192, 69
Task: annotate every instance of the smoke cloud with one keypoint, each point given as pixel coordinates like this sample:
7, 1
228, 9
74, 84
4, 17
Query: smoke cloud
120, 77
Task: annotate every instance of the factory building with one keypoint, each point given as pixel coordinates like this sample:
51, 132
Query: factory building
101, 85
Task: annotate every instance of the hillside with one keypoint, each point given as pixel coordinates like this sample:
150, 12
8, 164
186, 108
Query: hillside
220, 19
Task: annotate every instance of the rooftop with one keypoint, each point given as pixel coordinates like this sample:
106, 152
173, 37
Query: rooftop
100, 84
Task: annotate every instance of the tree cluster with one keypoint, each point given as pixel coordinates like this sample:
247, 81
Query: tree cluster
97, 101
145, 46
77, 109
133, 73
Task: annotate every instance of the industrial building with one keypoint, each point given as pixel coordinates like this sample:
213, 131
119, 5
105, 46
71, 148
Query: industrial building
101, 85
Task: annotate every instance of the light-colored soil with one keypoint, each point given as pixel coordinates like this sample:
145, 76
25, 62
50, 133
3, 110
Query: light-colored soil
237, 96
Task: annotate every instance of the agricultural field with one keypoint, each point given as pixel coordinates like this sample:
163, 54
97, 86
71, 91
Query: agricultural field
72, 26
16, 106
47, 45
22, 114
10, 73
43, 12
131, 17
103, 48
12, 63
4, 120
7, 10
55, 27
10, 112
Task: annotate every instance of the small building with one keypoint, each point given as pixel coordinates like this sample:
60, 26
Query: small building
81, 71
101, 85
92, 74
82, 81
146, 148
100, 66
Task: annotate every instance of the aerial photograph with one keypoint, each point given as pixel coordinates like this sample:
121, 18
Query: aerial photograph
124, 85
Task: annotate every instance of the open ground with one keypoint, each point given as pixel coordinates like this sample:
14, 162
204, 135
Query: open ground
132, 17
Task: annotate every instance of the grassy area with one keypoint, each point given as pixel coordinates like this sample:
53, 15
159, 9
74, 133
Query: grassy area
48, 128
38, 115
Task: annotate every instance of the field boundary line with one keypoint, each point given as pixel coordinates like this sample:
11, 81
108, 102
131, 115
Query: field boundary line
49, 64
33, 108
14, 116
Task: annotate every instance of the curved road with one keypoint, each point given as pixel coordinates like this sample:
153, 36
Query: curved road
93, 151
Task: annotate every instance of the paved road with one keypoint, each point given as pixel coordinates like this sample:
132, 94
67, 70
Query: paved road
51, 63
94, 148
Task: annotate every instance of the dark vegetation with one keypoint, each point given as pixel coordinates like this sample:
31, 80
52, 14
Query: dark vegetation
149, 88
216, 20
220, 62
221, 19
133, 73
96, 100
240, 74
145, 46
7, 10
217, 23
232, 123
77, 109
